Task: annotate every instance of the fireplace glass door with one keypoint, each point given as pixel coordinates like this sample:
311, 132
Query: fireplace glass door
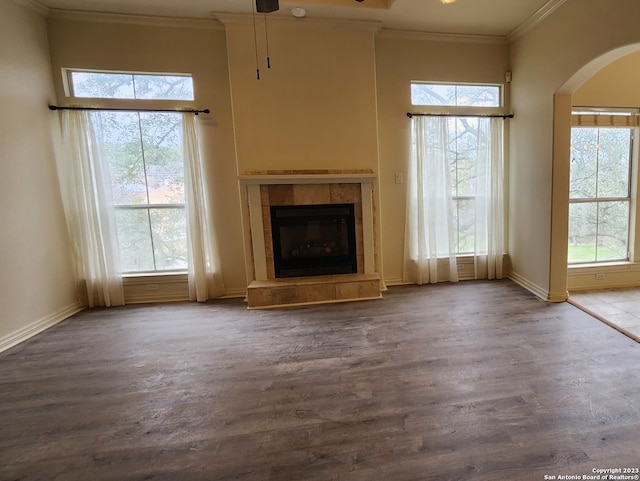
312, 240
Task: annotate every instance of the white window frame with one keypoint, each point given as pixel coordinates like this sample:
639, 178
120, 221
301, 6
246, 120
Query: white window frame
608, 117
135, 105
67, 83
461, 111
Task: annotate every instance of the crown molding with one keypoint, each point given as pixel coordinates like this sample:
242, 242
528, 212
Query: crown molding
241, 18
544, 11
35, 6
175, 22
443, 37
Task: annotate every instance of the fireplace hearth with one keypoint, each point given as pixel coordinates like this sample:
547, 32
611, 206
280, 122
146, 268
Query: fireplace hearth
313, 240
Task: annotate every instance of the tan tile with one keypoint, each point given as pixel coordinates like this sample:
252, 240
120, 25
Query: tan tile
305, 194
264, 195
316, 293
281, 194
271, 273
266, 216
369, 289
344, 193
258, 297
347, 290
311, 172
357, 212
285, 295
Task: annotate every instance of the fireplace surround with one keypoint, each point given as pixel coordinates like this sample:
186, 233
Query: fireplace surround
262, 190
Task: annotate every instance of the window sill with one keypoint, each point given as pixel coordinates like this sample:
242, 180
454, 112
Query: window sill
155, 277
602, 265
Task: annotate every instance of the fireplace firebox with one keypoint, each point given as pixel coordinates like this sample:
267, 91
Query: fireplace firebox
313, 240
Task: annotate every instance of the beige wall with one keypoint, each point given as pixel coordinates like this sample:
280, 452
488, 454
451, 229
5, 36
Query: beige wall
335, 95
315, 108
37, 285
615, 85
199, 48
555, 57
399, 60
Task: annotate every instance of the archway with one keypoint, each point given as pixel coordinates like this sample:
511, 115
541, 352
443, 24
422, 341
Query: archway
561, 148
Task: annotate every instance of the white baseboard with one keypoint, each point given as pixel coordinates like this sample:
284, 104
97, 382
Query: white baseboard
178, 297
395, 281
38, 326
235, 293
528, 285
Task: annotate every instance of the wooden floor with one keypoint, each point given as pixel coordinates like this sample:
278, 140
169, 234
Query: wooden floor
474, 381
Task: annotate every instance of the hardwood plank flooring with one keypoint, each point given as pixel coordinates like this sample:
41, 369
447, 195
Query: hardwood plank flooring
468, 381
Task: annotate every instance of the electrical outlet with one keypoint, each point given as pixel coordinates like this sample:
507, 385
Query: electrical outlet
399, 178
460, 267
152, 287
599, 276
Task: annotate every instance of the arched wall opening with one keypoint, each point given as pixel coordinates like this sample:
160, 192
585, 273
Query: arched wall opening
562, 106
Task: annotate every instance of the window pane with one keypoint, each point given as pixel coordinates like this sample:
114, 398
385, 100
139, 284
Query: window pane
598, 231
144, 151
613, 228
102, 85
134, 239
613, 162
584, 163
170, 87
478, 96
455, 95
464, 225
121, 139
162, 140
431, 94
169, 238
463, 144
583, 229
112, 85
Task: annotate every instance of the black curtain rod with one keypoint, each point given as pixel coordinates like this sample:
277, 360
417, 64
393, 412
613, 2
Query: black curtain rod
499, 116
193, 111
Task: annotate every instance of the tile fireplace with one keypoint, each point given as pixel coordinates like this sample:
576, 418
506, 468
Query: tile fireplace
312, 237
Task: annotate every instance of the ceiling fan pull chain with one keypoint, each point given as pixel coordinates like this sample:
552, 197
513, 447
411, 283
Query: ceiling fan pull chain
266, 40
255, 39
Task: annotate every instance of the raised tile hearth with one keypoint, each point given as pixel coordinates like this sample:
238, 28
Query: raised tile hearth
265, 189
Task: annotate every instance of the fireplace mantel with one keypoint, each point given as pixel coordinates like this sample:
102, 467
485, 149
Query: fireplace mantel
304, 178
306, 187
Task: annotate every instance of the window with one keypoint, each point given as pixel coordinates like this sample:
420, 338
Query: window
455, 95
455, 186
116, 85
600, 187
464, 143
144, 152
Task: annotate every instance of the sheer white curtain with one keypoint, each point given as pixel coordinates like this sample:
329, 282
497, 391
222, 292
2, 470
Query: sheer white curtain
429, 237
434, 228
489, 200
205, 278
86, 192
